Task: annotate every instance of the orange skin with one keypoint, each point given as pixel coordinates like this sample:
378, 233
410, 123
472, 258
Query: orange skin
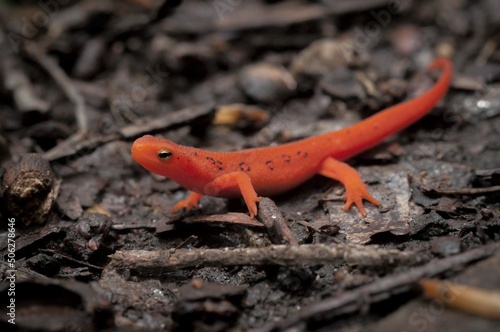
273, 170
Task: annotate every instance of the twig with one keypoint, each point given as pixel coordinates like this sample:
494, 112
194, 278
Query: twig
69, 89
277, 227
153, 262
167, 121
17, 81
463, 191
381, 289
81, 146
69, 258
262, 17
64, 82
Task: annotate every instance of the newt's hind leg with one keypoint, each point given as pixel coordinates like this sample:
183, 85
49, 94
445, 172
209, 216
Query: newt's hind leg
355, 189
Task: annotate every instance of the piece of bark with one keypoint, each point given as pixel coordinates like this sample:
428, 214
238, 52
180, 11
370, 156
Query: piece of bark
29, 188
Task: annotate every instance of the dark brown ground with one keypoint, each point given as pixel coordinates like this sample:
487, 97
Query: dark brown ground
95, 245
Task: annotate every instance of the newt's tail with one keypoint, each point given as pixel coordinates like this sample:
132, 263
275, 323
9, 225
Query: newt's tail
374, 129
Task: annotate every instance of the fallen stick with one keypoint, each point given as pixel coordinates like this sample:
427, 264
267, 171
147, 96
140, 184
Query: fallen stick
66, 84
75, 148
144, 262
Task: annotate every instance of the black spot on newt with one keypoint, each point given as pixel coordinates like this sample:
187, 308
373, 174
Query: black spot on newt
244, 167
270, 165
286, 158
217, 163
302, 154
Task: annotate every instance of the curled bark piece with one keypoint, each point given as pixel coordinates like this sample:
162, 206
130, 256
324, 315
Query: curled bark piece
29, 188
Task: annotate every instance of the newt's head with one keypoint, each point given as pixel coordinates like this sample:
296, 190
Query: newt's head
185, 165
177, 162
158, 155
152, 153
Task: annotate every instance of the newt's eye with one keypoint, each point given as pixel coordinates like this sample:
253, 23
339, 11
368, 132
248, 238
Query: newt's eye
164, 154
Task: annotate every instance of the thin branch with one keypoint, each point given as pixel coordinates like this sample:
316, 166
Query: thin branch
463, 191
69, 258
145, 262
167, 121
64, 82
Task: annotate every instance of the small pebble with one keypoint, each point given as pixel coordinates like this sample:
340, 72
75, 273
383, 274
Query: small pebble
266, 83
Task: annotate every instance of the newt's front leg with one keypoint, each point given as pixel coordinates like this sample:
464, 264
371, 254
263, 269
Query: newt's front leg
238, 180
188, 203
355, 189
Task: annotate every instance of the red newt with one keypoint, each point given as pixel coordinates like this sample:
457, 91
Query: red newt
269, 171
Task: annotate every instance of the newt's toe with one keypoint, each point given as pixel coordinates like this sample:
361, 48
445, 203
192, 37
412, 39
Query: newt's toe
356, 196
